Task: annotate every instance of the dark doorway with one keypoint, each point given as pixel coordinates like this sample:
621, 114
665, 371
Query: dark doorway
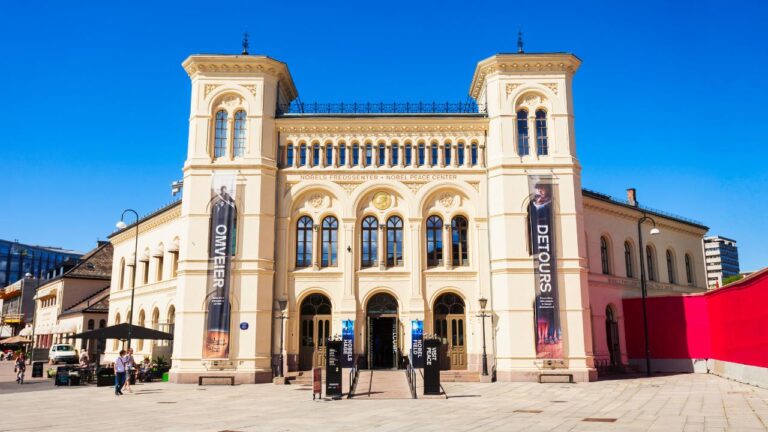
612, 336
383, 347
383, 342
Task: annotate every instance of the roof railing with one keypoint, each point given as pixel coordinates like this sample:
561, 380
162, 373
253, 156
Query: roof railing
314, 108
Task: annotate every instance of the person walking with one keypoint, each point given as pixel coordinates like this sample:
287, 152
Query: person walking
119, 373
20, 368
130, 367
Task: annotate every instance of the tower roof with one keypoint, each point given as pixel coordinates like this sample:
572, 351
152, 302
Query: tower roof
522, 63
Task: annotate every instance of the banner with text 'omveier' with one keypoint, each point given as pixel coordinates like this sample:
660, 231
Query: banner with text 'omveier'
221, 247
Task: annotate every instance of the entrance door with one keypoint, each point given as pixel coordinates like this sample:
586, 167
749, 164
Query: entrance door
383, 331
314, 331
450, 327
612, 336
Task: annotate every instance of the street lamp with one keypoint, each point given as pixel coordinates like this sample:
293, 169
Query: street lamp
282, 304
643, 286
122, 225
483, 302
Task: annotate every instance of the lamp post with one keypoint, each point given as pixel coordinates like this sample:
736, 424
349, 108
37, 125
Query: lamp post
483, 302
282, 304
643, 286
122, 225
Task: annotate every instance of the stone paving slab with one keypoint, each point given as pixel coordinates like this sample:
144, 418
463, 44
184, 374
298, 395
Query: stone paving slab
690, 402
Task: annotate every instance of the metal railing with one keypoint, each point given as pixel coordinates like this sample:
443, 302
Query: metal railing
641, 207
354, 373
410, 374
299, 108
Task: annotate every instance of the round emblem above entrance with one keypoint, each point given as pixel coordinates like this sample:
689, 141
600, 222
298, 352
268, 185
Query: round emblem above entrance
382, 200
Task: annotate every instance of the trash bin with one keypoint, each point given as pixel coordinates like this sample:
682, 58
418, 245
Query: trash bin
165, 376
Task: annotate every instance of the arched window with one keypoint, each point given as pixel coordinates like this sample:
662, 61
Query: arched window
342, 154
304, 242
121, 275
473, 156
542, 144
434, 241
395, 154
671, 267
102, 323
369, 241
434, 155
328, 154
355, 155
394, 241
421, 155
140, 342
459, 244
604, 257
628, 260
651, 260
303, 155
382, 154
368, 155
522, 133
330, 241
688, 269
160, 264
315, 154
289, 156
220, 141
240, 129
460, 157
116, 342
91, 324
447, 149
408, 155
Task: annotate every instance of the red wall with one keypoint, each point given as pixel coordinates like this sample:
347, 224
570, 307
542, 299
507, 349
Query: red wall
729, 324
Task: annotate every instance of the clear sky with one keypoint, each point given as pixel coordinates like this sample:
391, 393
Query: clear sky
670, 98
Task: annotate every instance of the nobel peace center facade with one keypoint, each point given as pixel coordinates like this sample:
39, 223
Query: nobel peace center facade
381, 218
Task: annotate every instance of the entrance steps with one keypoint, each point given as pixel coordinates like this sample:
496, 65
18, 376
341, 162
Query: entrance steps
382, 384
459, 376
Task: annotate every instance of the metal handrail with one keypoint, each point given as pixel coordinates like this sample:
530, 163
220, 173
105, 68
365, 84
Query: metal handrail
410, 374
354, 373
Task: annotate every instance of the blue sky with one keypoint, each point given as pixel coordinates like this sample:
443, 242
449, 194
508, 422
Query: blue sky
670, 97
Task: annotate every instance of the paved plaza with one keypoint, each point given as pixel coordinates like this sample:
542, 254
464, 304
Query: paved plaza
664, 403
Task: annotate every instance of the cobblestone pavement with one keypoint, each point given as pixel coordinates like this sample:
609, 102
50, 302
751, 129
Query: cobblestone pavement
663, 403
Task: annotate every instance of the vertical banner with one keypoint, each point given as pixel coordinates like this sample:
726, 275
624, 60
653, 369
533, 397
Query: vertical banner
417, 343
220, 249
549, 343
348, 343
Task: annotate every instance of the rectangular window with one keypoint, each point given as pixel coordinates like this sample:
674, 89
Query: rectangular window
316, 155
289, 156
408, 150
461, 155
395, 155
421, 155
356, 155
447, 154
473, 161
382, 155
328, 155
303, 155
434, 155
342, 155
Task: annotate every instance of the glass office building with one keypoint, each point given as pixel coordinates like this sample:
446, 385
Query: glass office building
17, 259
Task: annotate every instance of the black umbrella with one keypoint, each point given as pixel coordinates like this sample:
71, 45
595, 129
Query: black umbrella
120, 331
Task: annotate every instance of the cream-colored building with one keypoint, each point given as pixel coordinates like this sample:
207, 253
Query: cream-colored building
387, 214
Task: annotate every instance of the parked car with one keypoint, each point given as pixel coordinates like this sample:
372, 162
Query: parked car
64, 353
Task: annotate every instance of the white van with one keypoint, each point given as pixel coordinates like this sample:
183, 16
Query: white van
65, 353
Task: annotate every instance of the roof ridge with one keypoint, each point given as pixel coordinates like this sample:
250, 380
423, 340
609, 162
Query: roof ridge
79, 302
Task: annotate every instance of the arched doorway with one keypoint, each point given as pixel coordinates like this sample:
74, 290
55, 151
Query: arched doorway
314, 330
383, 348
612, 336
450, 327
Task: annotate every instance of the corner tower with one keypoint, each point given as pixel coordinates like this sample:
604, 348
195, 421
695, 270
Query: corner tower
531, 135
232, 136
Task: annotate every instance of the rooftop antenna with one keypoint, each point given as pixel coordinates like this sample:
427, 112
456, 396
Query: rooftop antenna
520, 42
245, 43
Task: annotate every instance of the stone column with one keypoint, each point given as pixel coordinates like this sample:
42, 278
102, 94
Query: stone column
316, 245
381, 252
447, 253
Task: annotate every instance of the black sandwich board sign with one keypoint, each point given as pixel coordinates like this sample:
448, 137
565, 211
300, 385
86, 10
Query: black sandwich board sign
431, 367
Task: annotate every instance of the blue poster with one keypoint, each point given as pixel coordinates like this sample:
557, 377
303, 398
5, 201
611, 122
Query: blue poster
417, 343
347, 343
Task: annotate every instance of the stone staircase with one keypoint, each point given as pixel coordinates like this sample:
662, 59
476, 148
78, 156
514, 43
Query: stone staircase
382, 384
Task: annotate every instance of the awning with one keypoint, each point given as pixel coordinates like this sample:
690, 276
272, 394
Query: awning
120, 331
26, 331
15, 340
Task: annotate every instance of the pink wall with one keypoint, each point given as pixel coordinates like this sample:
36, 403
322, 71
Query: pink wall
729, 324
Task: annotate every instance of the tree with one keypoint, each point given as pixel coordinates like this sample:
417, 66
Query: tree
732, 278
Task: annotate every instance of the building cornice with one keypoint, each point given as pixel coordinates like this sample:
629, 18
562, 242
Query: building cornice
151, 222
633, 214
381, 125
214, 65
520, 64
